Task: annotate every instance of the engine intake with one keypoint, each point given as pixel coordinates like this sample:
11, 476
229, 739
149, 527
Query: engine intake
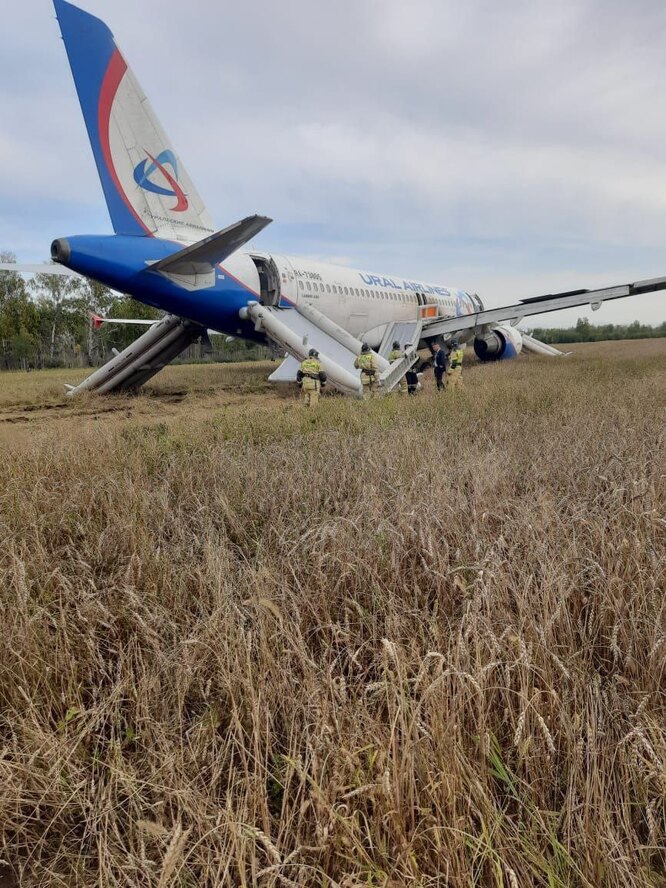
498, 344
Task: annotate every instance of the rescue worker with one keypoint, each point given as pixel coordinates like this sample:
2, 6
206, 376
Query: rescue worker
367, 364
412, 378
311, 378
440, 366
397, 354
454, 372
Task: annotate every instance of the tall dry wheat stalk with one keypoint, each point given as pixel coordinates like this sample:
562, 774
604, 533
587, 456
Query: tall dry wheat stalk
416, 642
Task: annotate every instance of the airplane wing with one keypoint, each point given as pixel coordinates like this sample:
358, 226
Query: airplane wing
513, 314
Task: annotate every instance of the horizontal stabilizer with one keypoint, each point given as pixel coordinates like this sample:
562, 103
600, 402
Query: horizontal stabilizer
98, 321
38, 269
202, 257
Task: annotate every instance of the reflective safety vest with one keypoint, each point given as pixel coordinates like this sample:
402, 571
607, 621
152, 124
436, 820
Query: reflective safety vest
310, 368
366, 363
396, 354
456, 358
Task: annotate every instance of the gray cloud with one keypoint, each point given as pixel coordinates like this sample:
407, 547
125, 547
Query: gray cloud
515, 148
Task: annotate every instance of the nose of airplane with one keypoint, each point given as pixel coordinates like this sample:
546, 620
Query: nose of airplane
61, 250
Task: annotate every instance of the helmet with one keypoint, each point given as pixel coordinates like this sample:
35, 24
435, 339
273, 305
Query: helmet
454, 343
396, 344
365, 347
313, 353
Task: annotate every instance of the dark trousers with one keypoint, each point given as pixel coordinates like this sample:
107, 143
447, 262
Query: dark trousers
440, 379
412, 382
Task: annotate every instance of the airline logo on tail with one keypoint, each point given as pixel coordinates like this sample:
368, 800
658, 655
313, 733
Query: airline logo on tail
144, 177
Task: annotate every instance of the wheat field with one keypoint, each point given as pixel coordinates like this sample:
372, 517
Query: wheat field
414, 642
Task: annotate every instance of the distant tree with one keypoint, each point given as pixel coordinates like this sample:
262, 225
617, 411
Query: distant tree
22, 349
18, 315
92, 298
57, 316
583, 330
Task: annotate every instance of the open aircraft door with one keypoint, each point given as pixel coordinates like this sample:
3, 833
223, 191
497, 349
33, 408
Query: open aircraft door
288, 280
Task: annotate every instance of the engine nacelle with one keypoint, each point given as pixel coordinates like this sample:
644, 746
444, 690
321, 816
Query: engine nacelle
498, 344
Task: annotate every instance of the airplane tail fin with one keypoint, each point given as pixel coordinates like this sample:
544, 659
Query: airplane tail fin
147, 189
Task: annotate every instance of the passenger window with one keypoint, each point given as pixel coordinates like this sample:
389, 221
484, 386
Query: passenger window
346, 292
328, 289
300, 283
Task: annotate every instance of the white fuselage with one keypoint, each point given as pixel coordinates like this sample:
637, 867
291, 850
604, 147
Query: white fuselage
358, 301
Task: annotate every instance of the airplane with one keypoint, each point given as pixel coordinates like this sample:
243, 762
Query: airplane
166, 253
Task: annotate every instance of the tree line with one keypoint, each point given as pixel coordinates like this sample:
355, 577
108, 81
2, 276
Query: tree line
584, 331
47, 322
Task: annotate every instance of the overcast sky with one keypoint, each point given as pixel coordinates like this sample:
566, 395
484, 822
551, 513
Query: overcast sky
511, 148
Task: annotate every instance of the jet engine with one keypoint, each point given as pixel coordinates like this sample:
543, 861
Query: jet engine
498, 343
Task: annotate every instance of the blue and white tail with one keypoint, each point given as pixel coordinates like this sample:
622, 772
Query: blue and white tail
147, 189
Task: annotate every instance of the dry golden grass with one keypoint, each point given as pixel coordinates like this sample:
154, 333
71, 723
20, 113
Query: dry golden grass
413, 642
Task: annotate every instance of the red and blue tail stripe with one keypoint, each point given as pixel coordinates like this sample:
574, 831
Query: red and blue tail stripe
98, 69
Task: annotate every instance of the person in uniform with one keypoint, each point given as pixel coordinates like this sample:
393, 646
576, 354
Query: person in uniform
397, 354
440, 366
412, 377
311, 378
367, 364
454, 372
